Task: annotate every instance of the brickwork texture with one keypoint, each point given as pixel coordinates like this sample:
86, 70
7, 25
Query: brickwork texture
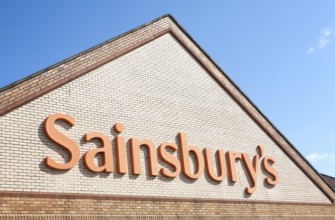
157, 89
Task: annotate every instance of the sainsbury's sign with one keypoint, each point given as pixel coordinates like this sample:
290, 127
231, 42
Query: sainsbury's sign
203, 159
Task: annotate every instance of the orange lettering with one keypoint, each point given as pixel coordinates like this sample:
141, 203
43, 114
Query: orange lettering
105, 149
121, 149
252, 170
203, 159
70, 146
221, 164
270, 170
170, 159
136, 159
232, 157
185, 152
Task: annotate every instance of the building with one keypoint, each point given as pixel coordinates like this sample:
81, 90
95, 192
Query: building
147, 125
330, 180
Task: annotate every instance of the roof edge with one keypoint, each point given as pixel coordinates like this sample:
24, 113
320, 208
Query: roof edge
30, 76
251, 102
17, 103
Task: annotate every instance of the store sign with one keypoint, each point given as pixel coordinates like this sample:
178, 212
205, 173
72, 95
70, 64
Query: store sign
203, 159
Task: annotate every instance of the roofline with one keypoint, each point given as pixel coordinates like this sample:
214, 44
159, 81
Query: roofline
81, 53
327, 175
217, 66
248, 99
331, 177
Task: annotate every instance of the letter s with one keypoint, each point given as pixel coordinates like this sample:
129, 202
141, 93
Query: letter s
267, 165
70, 146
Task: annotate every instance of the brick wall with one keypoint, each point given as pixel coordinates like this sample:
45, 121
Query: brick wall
102, 208
156, 91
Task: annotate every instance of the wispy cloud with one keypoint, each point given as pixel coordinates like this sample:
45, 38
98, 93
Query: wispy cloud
311, 50
317, 157
324, 40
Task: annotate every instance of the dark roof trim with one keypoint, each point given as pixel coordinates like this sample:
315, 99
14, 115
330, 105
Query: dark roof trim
299, 164
81, 53
248, 99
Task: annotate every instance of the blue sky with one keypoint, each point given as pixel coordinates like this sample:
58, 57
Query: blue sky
280, 53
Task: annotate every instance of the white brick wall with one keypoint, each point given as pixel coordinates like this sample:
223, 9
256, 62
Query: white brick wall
157, 91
